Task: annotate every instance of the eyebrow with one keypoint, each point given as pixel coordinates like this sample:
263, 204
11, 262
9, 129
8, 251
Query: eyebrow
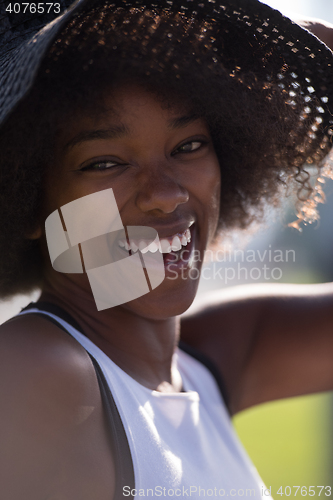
182, 121
118, 131
114, 132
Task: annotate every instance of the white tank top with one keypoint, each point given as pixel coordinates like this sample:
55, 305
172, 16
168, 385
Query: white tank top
182, 444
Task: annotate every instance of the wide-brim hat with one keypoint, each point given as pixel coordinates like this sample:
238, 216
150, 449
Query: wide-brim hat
253, 38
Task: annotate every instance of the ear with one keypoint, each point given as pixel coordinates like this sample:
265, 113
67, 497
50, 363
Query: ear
36, 234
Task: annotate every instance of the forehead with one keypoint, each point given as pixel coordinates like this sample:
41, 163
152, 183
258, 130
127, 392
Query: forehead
134, 101
129, 110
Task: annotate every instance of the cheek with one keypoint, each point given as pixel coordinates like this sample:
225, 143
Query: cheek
209, 191
206, 186
213, 201
58, 191
214, 178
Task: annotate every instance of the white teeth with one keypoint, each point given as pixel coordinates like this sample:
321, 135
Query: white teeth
134, 247
165, 246
176, 244
153, 247
142, 246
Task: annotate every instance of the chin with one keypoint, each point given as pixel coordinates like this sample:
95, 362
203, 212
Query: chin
166, 301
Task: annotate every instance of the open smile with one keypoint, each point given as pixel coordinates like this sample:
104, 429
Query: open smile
177, 248
166, 245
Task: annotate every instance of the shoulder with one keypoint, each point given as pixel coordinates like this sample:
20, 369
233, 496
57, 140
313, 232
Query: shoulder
36, 353
51, 414
46, 378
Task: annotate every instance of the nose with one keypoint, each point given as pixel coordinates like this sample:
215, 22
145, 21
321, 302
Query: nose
159, 190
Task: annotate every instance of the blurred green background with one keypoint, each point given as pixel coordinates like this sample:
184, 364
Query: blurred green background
290, 443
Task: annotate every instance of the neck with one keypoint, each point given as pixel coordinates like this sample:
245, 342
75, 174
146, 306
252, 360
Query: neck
143, 347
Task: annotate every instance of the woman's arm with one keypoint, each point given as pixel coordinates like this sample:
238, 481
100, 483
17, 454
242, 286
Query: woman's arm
269, 341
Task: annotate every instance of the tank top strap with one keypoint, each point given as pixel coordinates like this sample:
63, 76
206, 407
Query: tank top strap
124, 471
198, 355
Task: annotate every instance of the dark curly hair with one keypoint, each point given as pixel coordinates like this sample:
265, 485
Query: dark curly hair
256, 128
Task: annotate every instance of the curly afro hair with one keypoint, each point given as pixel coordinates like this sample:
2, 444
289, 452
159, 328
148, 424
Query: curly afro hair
257, 132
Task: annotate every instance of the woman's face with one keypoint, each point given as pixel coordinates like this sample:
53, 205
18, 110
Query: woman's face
162, 167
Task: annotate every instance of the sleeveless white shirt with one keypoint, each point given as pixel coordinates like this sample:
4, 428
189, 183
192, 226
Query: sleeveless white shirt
182, 444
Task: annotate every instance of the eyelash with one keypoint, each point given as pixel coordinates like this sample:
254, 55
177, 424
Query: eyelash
194, 141
115, 164
92, 165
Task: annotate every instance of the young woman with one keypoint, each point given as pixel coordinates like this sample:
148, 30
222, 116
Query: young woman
194, 116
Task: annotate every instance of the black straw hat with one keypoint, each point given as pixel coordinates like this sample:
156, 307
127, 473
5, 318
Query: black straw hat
253, 38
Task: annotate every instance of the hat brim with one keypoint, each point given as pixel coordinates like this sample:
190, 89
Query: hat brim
256, 38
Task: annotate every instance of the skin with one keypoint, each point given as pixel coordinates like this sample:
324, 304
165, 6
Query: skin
165, 174
269, 342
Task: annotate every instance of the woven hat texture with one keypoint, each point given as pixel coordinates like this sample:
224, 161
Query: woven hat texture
254, 38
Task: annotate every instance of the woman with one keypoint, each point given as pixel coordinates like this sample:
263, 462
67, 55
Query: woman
191, 121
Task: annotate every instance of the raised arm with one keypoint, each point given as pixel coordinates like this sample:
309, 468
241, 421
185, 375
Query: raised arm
269, 341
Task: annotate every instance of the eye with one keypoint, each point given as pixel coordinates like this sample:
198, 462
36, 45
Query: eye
189, 147
98, 166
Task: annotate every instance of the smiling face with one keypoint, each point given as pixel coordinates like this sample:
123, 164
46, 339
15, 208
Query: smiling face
162, 167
